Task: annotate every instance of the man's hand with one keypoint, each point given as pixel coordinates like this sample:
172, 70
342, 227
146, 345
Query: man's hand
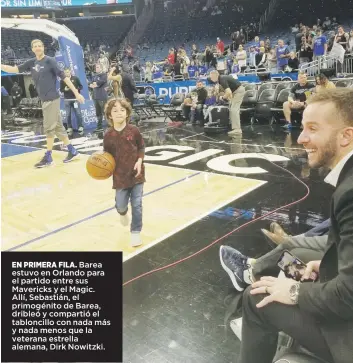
312, 270
138, 167
278, 290
80, 98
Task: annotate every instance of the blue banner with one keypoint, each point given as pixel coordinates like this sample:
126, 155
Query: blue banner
43, 3
170, 88
71, 56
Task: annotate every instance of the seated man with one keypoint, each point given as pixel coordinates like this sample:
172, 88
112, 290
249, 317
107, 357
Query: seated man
297, 98
193, 106
318, 315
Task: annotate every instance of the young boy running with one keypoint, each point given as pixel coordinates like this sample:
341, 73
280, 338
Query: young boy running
126, 144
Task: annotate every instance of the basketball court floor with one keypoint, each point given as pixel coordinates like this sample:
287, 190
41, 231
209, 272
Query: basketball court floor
199, 189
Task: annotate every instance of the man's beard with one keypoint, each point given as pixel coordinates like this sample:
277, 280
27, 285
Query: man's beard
327, 155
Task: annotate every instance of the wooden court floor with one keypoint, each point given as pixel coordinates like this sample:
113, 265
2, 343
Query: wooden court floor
61, 208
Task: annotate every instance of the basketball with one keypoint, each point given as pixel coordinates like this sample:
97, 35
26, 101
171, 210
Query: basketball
100, 165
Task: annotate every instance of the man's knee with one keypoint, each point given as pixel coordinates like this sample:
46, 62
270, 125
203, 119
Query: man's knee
121, 211
249, 300
286, 106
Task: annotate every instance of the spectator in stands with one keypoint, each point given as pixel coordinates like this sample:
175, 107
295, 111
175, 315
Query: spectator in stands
323, 83
129, 53
342, 37
298, 39
177, 69
171, 56
167, 67
208, 56
194, 52
260, 56
202, 69
5, 101
136, 70
16, 94
192, 70
100, 95
282, 55
241, 57
306, 51
148, 72
239, 38
71, 105
293, 63
264, 60
272, 61
350, 43
320, 46
326, 24
334, 23
234, 94
104, 63
233, 46
252, 56
318, 315
220, 45
235, 67
221, 63
297, 98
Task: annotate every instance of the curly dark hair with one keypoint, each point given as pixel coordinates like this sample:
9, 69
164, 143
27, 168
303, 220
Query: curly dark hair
111, 103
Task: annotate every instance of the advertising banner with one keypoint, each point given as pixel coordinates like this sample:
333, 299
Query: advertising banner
64, 3
170, 88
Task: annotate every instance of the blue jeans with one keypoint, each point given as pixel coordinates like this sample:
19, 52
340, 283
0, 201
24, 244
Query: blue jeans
133, 194
70, 107
320, 230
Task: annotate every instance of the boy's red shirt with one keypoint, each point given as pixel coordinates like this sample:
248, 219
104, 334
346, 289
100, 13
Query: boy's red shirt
126, 146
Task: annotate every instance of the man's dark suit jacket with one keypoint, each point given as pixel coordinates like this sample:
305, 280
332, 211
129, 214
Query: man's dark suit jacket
330, 301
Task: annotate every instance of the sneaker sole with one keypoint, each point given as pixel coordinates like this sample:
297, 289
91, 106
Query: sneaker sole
229, 272
136, 245
44, 166
74, 158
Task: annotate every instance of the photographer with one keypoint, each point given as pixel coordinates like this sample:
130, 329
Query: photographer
123, 84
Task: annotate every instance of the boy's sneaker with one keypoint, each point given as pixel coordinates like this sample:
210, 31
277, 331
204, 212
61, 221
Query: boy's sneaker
70, 131
237, 266
47, 160
135, 239
71, 155
124, 220
80, 130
